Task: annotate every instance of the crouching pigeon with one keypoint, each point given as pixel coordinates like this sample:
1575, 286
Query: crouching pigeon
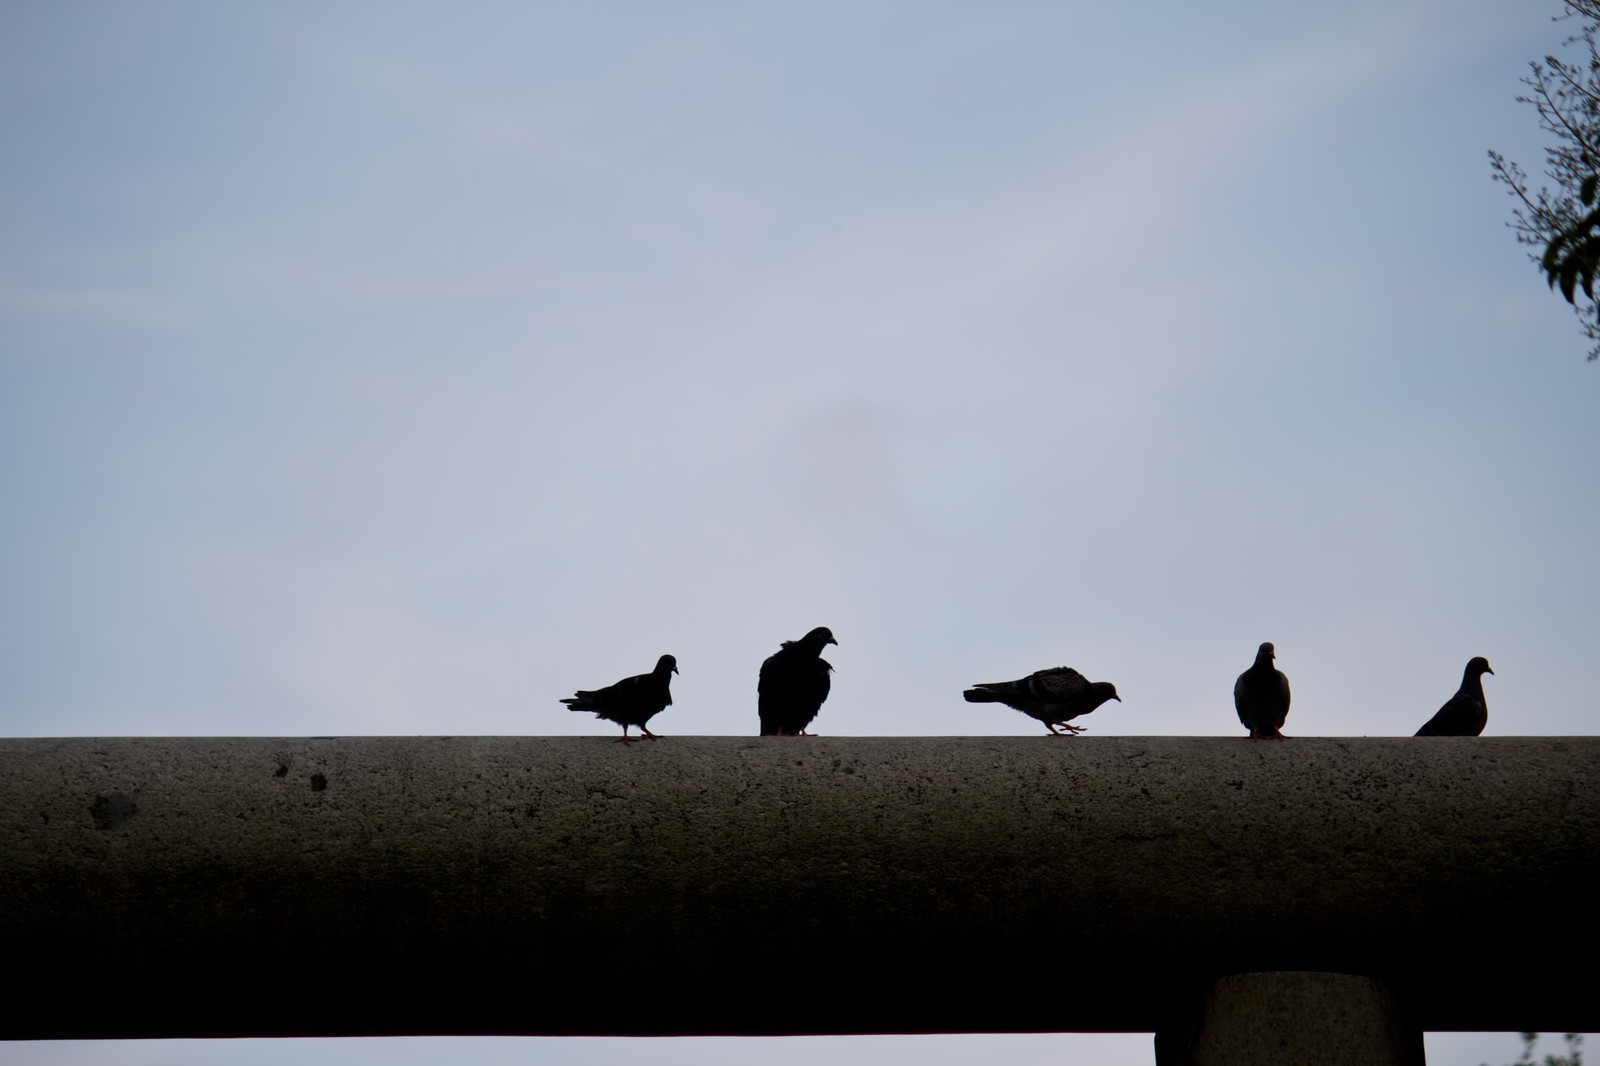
1055, 697
1261, 696
631, 701
793, 683
1466, 713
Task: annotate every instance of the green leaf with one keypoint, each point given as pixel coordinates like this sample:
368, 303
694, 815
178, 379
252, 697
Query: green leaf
1569, 280
1587, 256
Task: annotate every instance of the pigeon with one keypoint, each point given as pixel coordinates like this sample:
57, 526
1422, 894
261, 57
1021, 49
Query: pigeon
1464, 714
631, 701
1261, 696
1055, 697
793, 683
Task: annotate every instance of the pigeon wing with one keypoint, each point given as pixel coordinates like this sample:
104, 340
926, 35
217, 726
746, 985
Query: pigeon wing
1062, 684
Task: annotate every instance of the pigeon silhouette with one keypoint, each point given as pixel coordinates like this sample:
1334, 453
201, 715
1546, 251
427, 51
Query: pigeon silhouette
1261, 696
1466, 713
793, 683
1055, 696
631, 701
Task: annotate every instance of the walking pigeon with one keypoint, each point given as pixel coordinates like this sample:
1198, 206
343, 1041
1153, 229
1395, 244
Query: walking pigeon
1466, 713
631, 701
1261, 696
1055, 696
793, 683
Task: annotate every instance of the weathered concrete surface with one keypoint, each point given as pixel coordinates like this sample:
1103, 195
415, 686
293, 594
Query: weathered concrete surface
1292, 1019
193, 887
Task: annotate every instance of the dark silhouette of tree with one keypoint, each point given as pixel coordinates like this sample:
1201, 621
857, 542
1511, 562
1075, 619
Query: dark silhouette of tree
1564, 226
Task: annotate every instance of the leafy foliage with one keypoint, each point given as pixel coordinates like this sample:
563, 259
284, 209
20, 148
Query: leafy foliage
1565, 224
1573, 1057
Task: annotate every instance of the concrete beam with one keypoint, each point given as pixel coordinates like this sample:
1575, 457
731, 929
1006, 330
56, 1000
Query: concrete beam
523, 885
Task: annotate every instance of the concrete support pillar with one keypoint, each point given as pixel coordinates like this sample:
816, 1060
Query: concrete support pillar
1291, 1018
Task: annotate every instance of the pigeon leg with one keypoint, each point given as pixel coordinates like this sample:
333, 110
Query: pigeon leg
646, 732
625, 738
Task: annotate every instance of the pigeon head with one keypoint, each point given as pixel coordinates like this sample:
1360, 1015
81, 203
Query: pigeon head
819, 636
1479, 665
667, 664
1105, 690
1266, 651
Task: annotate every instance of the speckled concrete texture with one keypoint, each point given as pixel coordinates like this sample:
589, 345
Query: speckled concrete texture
191, 886
1293, 1019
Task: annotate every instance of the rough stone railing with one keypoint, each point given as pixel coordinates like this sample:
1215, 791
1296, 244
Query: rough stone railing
186, 887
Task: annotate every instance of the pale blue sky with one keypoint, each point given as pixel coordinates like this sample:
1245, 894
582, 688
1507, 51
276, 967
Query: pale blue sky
400, 368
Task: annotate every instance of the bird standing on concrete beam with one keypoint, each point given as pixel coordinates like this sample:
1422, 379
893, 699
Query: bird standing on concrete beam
793, 683
1261, 696
631, 701
1467, 712
1055, 696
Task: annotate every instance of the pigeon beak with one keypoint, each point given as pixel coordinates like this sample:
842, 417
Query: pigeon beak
674, 669
835, 643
